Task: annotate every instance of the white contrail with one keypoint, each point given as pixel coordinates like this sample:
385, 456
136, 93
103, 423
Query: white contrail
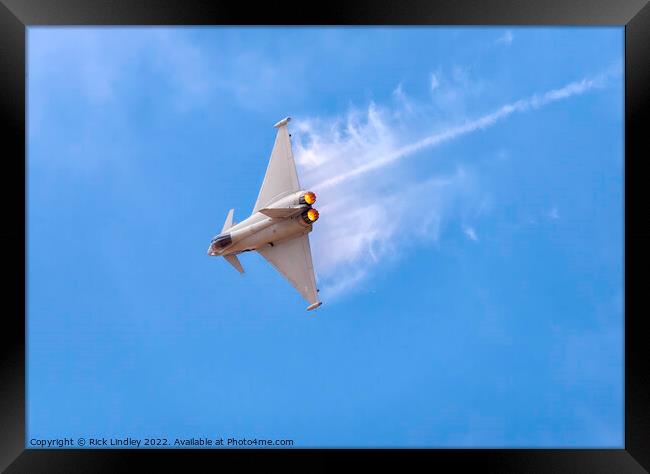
488, 120
366, 207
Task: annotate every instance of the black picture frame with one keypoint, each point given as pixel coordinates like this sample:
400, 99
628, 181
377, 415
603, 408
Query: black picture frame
17, 15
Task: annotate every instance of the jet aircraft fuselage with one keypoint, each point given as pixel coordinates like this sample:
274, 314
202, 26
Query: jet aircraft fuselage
261, 230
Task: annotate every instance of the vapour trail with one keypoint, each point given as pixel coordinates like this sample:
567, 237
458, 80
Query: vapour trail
522, 105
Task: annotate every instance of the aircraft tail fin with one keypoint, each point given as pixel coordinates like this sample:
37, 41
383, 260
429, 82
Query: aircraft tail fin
228, 224
234, 261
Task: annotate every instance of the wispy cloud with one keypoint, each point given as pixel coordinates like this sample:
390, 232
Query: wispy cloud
108, 79
350, 162
506, 38
98, 62
470, 233
434, 83
398, 92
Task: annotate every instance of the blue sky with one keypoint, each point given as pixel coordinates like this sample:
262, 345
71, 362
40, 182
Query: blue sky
469, 250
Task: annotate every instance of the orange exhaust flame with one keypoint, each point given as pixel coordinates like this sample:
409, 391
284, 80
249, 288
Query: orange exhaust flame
312, 215
310, 198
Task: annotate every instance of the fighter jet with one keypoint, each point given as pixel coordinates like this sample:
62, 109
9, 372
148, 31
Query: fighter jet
279, 225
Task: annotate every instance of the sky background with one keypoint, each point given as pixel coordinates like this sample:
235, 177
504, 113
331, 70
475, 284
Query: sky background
469, 249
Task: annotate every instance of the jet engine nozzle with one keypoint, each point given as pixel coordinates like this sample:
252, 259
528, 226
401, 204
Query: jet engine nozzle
308, 198
310, 216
